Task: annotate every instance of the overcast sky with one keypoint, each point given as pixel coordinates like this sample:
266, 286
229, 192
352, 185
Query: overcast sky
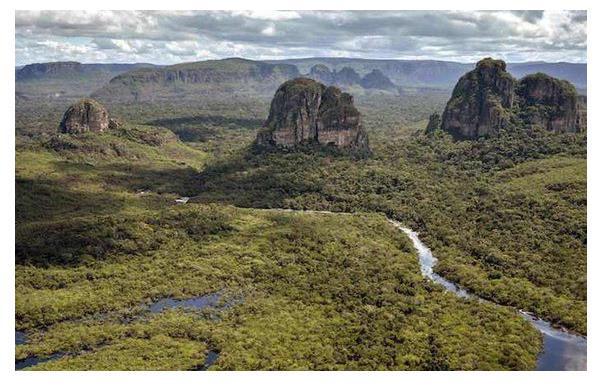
168, 37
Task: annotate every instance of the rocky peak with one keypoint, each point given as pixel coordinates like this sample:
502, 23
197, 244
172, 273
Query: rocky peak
347, 76
488, 99
550, 103
321, 73
304, 111
377, 80
481, 102
83, 116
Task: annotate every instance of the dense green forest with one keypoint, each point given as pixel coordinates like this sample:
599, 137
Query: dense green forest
99, 236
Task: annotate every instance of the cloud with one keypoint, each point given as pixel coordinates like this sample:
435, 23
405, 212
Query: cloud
270, 30
175, 36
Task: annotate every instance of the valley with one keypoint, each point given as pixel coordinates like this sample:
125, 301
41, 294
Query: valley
99, 236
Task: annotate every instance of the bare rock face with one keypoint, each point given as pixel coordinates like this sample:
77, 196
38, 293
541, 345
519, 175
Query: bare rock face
434, 123
304, 111
550, 103
481, 102
87, 115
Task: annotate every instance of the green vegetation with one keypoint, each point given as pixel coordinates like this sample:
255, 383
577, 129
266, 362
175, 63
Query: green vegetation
314, 296
476, 203
99, 236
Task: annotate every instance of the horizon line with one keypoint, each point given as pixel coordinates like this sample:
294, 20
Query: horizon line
296, 59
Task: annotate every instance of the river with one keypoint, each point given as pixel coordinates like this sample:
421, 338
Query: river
562, 350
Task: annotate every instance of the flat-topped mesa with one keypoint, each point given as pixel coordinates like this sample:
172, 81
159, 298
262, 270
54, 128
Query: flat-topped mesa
488, 99
304, 111
481, 102
86, 115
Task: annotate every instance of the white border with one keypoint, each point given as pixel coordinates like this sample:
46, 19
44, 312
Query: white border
298, 380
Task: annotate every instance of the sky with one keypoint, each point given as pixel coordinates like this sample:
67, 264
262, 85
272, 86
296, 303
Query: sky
168, 37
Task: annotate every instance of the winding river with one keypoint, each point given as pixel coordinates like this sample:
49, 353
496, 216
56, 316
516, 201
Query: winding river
562, 351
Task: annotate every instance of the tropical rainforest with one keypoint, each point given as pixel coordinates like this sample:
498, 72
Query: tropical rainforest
100, 238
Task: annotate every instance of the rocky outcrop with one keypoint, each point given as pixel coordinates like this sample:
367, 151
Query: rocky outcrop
481, 103
434, 123
347, 77
115, 123
304, 111
549, 103
322, 73
86, 115
488, 99
377, 80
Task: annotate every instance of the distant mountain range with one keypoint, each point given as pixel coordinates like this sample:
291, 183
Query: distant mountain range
237, 76
66, 80
193, 80
71, 69
439, 74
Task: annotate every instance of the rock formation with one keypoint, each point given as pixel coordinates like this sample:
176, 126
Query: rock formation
377, 80
304, 111
434, 123
322, 73
481, 102
488, 99
549, 103
115, 123
83, 116
347, 77
344, 78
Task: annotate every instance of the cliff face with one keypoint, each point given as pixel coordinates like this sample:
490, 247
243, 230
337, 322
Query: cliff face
83, 116
489, 99
304, 111
481, 102
549, 103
